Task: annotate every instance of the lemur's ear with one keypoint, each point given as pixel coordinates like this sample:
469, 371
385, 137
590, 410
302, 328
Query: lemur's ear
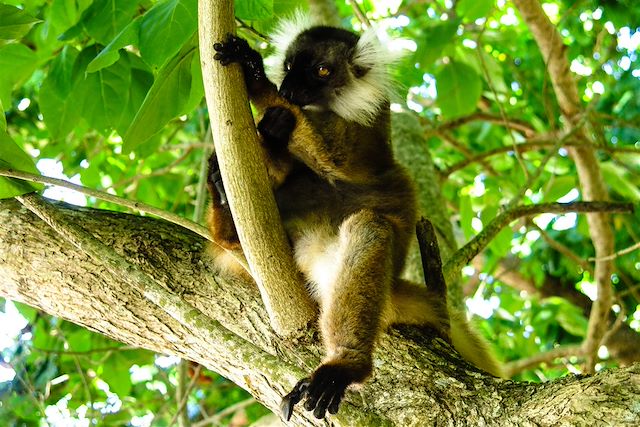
283, 35
361, 99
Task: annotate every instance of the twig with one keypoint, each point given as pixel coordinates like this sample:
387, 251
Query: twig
532, 144
616, 254
138, 206
563, 249
362, 17
232, 409
512, 368
503, 114
83, 353
465, 151
465, 254
519, 125
183, 393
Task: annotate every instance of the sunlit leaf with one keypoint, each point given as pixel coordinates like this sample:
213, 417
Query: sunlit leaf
474, 9
17, 63
12, 157
105, 19
459, 88
14, 22
110, 54
170, 93
254, 9
166, 28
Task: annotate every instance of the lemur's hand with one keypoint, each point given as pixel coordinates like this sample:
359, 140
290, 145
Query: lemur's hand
276, 126
235, 49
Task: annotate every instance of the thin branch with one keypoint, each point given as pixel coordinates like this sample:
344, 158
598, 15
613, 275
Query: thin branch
512, 368
182, 393
87, 352
519, 125
137, 206
229, 410
362, 17
465, 254
563, 249
617, 254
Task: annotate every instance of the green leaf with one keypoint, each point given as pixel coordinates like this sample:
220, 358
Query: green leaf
17, 63
558, 187
466, 215
141, 81
167, 99
434, 40
116, 374
105, 93
14, 22
617, 179
3, 119
12, 157
110, 54
254, 9
474, 9
105, 19
166, 28
569, 316
60, 110
459, 88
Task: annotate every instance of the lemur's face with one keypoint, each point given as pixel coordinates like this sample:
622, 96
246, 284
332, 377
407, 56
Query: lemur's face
317, 66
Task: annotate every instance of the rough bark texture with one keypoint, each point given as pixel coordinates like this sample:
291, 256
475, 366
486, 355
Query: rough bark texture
417, 381
245, 178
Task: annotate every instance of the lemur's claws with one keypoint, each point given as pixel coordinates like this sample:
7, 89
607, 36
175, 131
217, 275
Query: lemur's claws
290, 400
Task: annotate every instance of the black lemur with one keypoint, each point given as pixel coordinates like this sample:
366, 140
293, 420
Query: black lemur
348, 208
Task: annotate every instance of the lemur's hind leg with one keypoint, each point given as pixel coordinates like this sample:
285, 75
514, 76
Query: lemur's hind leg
353, 304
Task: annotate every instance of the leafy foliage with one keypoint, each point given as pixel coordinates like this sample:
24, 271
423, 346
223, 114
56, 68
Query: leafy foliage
109, 93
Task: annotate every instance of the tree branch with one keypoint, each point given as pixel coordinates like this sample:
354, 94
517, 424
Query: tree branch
513, 368
245, 179
465, 254
42, 270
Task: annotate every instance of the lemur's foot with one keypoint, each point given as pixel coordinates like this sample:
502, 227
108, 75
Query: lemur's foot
324, 390
276, 126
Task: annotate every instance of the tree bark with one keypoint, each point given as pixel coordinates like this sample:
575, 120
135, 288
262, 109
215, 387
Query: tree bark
245, 178
418, 379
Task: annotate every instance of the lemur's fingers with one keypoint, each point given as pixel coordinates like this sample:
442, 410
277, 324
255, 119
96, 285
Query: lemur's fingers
276, 126
291, 399
232, 49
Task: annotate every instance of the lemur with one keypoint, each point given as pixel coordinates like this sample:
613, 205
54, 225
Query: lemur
349, 209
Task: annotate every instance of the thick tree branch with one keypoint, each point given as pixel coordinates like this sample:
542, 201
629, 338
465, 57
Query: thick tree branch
465, 254
592, 183
412, 373
245, 178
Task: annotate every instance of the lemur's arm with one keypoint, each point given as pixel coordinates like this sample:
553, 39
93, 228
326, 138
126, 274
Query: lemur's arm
285, 128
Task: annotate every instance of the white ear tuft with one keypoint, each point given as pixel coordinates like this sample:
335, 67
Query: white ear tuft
364, 96
285, 32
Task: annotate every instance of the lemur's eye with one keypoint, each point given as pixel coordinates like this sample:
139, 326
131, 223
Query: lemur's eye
287, 66
323, 71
